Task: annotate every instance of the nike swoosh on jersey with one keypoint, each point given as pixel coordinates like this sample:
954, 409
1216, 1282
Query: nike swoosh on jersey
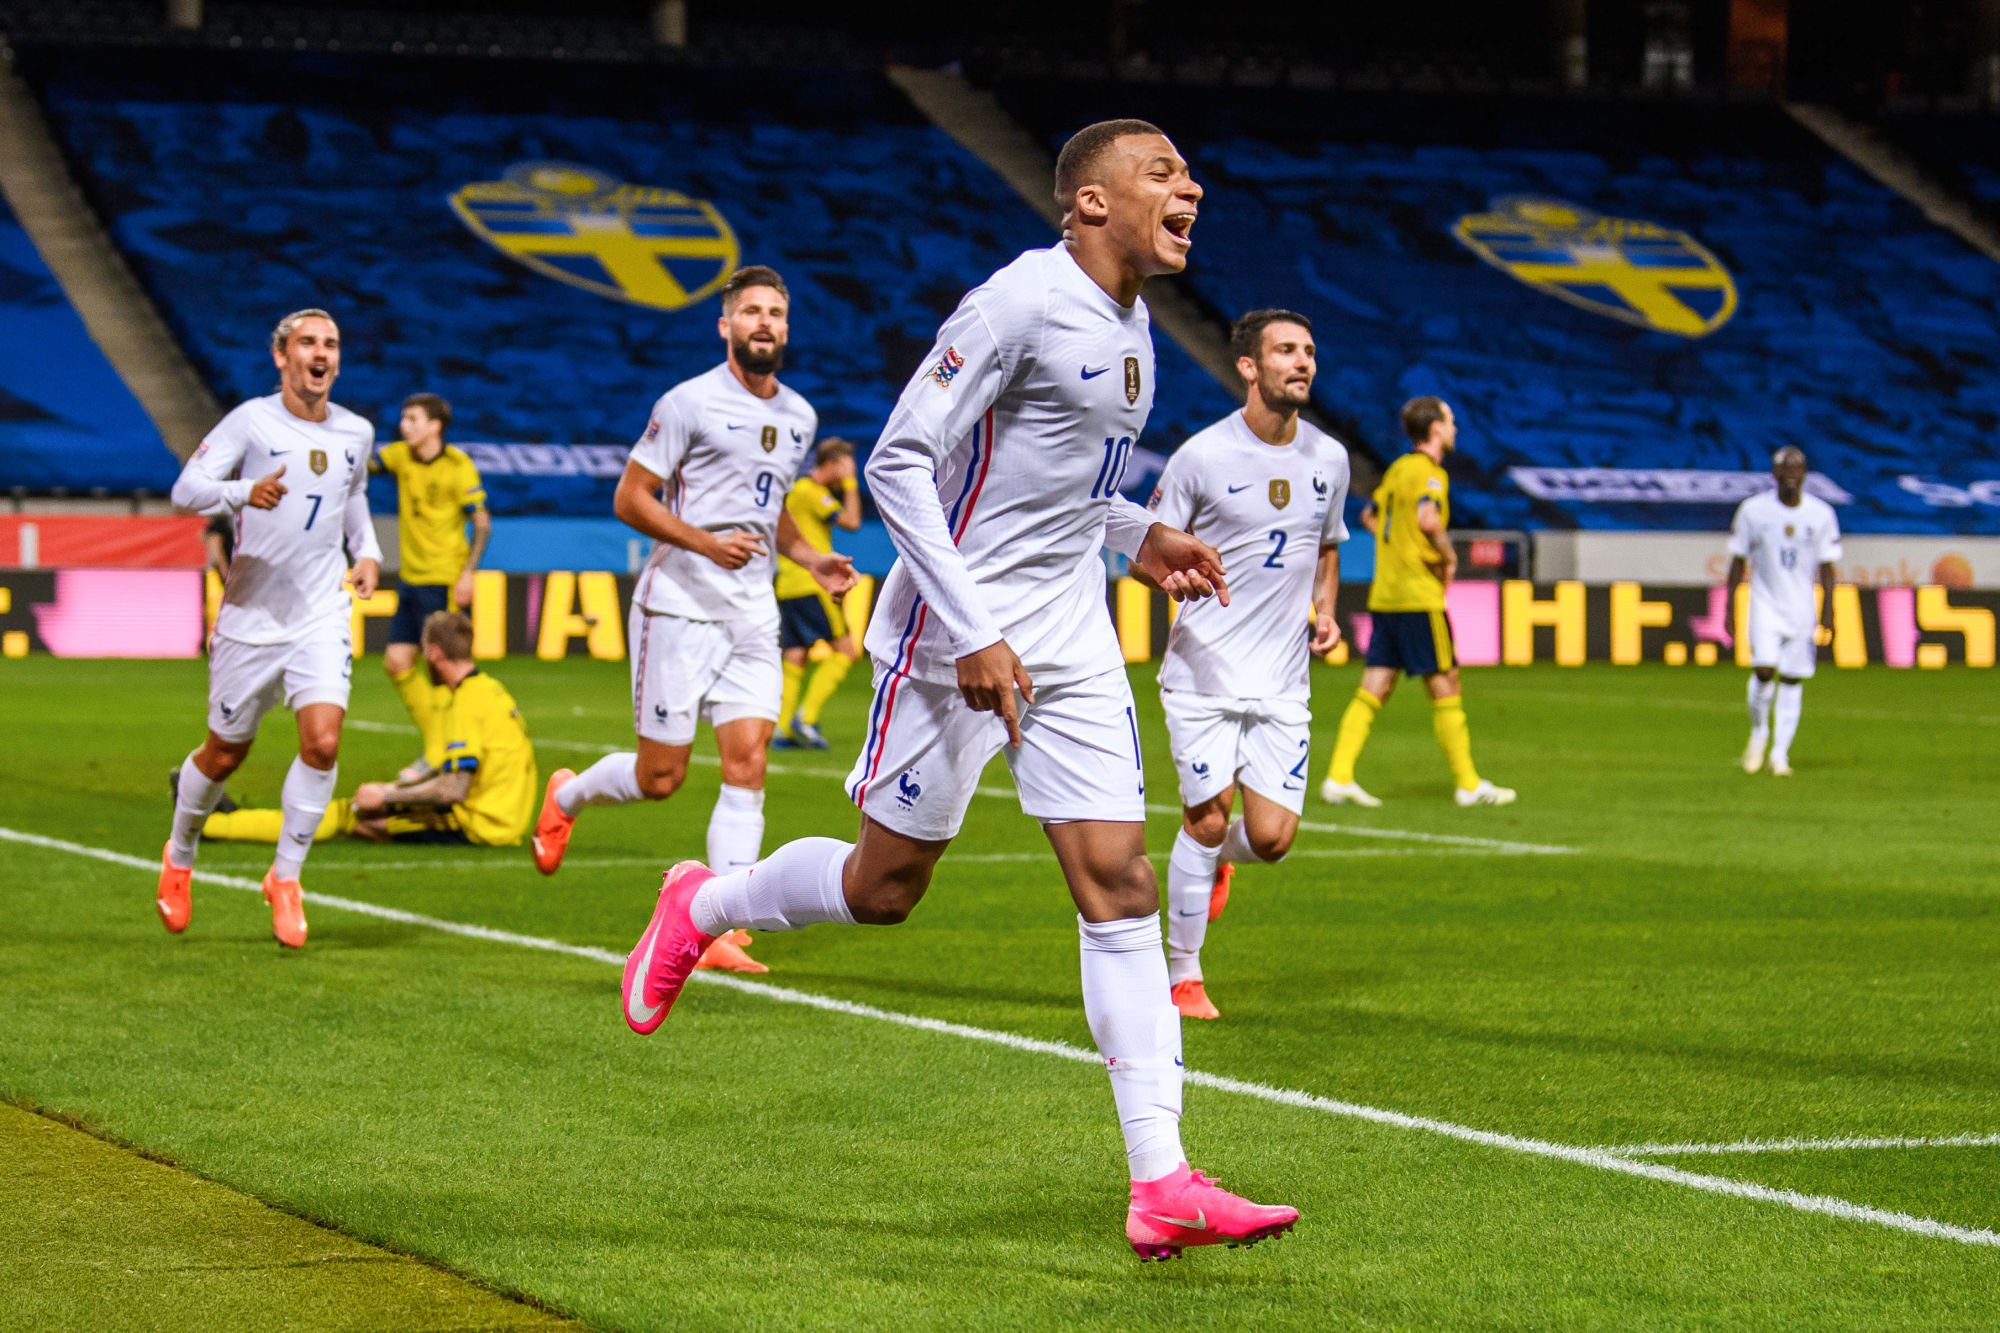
1244, 487
735, 425
1090, 374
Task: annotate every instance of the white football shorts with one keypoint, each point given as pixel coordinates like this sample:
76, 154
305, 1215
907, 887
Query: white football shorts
245, 680
1260, 743
1789, 648
1078, 758
688, 671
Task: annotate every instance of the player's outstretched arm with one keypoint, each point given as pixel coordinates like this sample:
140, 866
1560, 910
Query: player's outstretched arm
482, 532
831, 570
638, 505
1431, 523
1181, 565
359, 532
208, 484
1731, 582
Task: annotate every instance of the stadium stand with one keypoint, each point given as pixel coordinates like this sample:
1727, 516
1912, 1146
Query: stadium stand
67, 422
430, 205
1848, 325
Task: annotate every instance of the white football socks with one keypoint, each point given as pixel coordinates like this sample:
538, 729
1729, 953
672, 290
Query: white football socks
735, 829
612, 780
195, 797
1760, 705
306, 793
1190, 882
1785, 720
796, 886
1138, 1031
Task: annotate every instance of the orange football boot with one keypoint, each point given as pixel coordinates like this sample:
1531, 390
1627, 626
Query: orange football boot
1218, 896
727, 955
552, 827
288, 914
1191, 998
176, 897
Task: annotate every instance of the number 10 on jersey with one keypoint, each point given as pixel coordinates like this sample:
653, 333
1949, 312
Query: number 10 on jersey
1117, 453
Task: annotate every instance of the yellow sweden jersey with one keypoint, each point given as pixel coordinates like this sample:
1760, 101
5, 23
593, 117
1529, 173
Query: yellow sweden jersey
1405, 561
812, 507
484, 735
432, 500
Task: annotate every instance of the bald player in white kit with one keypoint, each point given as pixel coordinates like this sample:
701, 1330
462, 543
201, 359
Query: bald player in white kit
1267, 490
1788, 539
707, 481
293, 468
998, 477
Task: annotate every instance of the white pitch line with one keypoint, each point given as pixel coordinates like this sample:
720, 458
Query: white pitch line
1822, 1204
1799, 1145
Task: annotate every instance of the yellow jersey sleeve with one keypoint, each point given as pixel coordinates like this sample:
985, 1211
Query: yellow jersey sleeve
389, 458
486, 737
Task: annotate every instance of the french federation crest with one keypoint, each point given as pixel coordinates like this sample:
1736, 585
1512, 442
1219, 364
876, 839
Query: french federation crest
1281, 492
317, 459
1631, 270
638, 243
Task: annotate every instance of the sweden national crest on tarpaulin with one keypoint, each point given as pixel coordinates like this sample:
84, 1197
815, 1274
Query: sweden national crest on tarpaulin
637, 243
1629, 269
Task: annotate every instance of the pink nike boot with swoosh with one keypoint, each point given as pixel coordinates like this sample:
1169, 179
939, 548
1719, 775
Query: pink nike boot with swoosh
1184, 1208
660, 963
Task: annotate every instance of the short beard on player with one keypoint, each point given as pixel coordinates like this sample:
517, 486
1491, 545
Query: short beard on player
1281, 397
755, 362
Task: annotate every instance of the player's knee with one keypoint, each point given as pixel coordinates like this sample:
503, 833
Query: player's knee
1207, 826
320, 749
1133, 888
1272, 844
888, 901
1764, 674
218, 760
657, 784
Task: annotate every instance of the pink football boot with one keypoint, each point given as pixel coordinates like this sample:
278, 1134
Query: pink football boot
1184, 1208
660, 963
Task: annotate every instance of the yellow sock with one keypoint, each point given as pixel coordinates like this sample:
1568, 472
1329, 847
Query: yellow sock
1354, 727
795, 681
425, 703
826, 678
1454, 737
265, 825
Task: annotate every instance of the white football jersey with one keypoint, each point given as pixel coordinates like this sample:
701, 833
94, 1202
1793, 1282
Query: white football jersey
1267, 510
289, 569
727, 458
997, 476
1785, 545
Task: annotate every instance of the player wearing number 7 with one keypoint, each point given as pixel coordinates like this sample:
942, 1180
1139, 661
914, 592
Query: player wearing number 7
293, 469
707, 481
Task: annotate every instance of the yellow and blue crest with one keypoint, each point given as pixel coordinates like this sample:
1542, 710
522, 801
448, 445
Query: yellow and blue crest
636, 243
1629, 269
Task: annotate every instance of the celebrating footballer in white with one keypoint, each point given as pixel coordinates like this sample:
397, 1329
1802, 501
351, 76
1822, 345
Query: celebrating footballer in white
292, 468
998, 477
707, 481
1789, 539
1267, 490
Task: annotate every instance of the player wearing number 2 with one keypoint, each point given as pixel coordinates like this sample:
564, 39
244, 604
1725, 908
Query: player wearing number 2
293, 469
707, 481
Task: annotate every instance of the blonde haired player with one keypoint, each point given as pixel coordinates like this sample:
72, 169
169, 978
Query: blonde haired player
1266, 489
484, 789
997, 475
829, 494
1786, 537
293, 468
1410, 516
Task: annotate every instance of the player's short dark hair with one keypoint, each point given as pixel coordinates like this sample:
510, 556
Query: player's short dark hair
1246, 335
1080, 156
451, 631
434, 407
830, 448
1420, 414
1787, 453
283, 333
752, 275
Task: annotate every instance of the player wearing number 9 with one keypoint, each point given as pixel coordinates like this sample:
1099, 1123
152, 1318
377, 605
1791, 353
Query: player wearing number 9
707, 481
292, 469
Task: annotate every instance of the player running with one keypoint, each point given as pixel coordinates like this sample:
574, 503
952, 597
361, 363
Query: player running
484, 790
1266, 489
998, 476
1785, 536
292, 467
828, 495
437, 490
707, 481
1410, 516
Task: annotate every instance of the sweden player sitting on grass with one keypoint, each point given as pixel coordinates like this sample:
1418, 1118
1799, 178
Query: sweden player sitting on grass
483, 793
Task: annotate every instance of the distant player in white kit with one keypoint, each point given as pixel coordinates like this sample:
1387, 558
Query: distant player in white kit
1788, 538
998, 477
707, 481
293, 468
1266, 489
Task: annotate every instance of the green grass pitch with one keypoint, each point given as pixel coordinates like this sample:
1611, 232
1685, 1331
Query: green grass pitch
1717, 959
